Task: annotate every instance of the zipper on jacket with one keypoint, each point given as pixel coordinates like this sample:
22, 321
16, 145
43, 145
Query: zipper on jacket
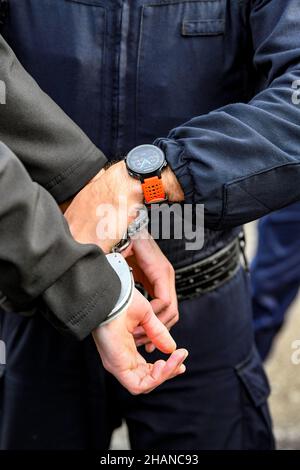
122, 69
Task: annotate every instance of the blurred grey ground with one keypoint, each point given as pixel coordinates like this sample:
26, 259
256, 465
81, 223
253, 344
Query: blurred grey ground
284, 378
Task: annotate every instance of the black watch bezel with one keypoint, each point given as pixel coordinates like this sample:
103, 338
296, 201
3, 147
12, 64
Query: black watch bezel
142, 176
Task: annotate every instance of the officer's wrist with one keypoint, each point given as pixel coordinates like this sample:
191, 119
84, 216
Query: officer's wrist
132, 188
172, 186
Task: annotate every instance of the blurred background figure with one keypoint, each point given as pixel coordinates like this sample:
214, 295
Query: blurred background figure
275, 273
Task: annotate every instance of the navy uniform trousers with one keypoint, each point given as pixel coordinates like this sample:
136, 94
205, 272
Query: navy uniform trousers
54, 393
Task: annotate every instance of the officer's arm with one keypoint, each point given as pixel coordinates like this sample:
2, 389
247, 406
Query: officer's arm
243, 161
74, 284
54, 151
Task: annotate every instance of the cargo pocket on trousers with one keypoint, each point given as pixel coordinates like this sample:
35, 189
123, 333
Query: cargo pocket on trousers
255, 390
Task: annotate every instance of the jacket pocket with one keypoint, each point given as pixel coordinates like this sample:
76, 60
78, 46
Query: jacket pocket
255, 390
180, 63
203, 27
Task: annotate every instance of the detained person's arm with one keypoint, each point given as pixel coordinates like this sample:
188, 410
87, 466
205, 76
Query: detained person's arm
74, 285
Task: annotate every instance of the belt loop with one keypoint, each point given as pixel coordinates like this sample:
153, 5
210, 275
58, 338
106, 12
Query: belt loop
242, 242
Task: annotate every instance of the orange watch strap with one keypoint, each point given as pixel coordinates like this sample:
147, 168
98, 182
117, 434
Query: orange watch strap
153, 190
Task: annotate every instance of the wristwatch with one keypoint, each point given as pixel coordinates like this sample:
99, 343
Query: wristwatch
146, 163
124, 273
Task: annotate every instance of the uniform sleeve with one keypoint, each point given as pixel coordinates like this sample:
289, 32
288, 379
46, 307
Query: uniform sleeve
41, 264
243, 160
53, 149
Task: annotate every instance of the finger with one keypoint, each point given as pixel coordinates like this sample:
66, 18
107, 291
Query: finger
158, 333
142, 339
162, 297
142, 342
138, 331
150, 348
157, 369
164, 290
166, 370
169, 317
160, 305
174, 363
169, 320
181, 370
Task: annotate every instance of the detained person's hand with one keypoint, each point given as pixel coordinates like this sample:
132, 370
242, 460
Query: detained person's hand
155, 273
119, 354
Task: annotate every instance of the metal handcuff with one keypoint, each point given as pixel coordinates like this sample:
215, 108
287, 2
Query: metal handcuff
121, 268
139, 223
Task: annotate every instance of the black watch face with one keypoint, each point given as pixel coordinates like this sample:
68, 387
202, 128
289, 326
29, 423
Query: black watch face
145, 159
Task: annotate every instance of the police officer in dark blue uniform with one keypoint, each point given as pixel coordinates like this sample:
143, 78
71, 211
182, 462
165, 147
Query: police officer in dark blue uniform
275, 273
128, 72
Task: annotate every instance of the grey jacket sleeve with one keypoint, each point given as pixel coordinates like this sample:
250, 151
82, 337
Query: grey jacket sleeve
41, 264
53, 149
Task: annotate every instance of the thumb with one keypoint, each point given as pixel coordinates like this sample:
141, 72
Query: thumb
157, 333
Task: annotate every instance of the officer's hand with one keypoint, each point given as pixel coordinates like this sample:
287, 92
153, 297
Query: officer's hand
103, 209
116, 346
156, 274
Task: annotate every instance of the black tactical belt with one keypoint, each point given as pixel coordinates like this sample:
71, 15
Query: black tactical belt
209, 274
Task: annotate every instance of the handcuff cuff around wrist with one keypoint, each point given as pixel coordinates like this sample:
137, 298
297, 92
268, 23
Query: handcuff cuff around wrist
124, 273
121, 268
139, 223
